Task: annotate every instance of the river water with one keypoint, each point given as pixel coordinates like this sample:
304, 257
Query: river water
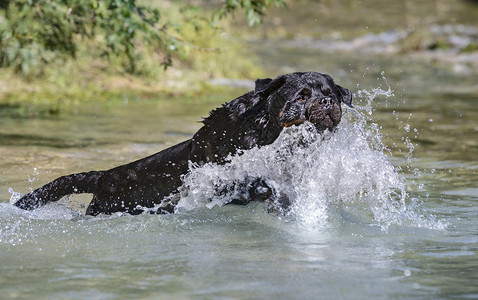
386, 207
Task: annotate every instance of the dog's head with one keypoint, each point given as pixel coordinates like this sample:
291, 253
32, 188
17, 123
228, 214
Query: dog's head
299, 97
258, 117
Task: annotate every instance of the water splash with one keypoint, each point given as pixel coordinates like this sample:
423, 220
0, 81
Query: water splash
340, 174
35, 176
59, 210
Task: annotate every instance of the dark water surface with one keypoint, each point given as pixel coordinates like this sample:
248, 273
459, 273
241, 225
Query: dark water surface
385, 208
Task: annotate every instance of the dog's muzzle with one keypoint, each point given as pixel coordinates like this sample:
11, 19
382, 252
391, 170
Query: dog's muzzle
324, 113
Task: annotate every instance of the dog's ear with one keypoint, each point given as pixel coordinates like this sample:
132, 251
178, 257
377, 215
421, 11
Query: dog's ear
264, 87
261, 84
345, 94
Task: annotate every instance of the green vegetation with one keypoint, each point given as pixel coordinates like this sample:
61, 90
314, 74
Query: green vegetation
470, 48
56, 52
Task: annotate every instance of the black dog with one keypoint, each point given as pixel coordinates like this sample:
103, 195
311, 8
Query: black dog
252, 120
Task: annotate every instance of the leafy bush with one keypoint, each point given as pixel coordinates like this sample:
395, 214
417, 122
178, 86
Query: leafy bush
254, 9
34, 33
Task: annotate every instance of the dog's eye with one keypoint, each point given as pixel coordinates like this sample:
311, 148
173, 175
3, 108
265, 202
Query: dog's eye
305, 93
326, 91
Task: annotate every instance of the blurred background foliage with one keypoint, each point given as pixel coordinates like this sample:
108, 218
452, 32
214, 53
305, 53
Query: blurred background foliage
57, 52
35, 33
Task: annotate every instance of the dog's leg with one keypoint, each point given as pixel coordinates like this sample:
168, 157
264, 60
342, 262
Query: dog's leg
275, 201
256, 190
53, 191
279, 204
260, 191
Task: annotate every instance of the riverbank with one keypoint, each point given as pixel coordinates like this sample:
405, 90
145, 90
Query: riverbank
88, 79
203, 53
77, 83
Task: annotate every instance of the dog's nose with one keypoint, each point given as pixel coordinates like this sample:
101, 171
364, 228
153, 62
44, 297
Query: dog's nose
326, 101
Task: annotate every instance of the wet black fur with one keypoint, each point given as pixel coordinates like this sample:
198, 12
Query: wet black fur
254, 119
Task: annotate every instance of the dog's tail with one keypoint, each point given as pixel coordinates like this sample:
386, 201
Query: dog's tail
53, 191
